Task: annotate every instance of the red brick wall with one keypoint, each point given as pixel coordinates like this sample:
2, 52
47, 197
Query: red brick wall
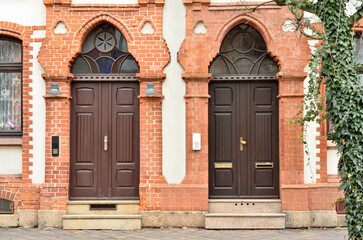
290, 50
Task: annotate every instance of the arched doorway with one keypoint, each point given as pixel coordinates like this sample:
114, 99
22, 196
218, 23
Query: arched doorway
243, 118
104, 119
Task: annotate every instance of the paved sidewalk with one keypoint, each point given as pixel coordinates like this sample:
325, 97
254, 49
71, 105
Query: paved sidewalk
170, 233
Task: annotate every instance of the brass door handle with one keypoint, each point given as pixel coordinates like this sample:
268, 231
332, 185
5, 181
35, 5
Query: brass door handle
241, 144
105, 143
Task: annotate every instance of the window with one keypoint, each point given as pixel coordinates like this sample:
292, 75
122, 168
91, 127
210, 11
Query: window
6, 206
330, 129
243, 52
105, 51
11, 66
359, 55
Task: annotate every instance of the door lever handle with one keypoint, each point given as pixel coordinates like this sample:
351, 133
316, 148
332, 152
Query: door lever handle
241, 142
105, 143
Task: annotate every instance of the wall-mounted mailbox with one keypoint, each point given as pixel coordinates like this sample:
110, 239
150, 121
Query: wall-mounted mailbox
55, 146
197, 141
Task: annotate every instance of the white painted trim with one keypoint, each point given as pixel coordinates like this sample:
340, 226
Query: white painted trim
38, 110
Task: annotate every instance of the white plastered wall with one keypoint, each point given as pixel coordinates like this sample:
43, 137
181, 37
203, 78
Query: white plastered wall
23, 12
28, 13
10, 160
104, 1
333, 159
174, 91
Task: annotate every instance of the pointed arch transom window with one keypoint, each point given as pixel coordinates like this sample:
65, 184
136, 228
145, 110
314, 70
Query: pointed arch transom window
104, 51
243, 52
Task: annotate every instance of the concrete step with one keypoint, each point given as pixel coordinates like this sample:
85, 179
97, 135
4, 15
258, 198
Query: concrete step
244, 221
103, 207
244, 206
104, 222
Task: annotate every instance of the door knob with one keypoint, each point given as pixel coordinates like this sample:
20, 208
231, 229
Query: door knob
105, 143
241, 144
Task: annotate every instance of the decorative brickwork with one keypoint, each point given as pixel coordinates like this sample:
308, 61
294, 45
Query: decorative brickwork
289, 49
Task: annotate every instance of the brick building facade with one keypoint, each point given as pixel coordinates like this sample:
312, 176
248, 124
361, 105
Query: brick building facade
174, 45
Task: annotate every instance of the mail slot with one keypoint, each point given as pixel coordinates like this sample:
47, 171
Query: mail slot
264, 165
223, 165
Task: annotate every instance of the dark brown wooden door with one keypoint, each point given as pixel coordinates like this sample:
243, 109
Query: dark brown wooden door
104, 140
243, 140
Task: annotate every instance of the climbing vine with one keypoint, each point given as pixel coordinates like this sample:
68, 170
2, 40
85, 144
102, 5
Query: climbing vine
333, 64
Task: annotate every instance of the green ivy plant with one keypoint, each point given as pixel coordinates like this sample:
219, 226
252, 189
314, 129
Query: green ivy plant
333, 64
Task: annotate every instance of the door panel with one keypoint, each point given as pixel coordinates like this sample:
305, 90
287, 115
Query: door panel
104, 141
243, 112
125, 144
264, 140
222, 150
85, 131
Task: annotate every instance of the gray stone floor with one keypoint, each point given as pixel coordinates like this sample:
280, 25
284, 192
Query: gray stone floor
170, 233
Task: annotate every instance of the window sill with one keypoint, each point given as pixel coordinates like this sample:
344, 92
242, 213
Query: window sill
331, 144
6, 141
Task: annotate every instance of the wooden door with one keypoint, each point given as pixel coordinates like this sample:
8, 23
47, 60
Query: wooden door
243, 140
104, 140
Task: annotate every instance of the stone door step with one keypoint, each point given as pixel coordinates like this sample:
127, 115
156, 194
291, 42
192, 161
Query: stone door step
103, 207
244, 221
244, 206
104, 222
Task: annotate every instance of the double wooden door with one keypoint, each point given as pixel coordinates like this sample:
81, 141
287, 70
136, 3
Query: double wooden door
104, 140
243, 140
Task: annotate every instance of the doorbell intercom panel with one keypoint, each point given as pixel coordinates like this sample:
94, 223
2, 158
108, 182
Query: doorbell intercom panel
55, 146
197, 141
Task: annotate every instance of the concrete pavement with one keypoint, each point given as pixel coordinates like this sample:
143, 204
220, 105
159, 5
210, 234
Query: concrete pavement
170, 233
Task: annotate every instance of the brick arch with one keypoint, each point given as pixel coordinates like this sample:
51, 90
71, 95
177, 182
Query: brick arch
7, 195
254, 22
12, 30
85, 28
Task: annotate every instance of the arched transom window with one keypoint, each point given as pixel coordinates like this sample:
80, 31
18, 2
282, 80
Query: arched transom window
243, 52
105, 51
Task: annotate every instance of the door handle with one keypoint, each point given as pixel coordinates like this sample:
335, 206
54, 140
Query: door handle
105, 143
241, 143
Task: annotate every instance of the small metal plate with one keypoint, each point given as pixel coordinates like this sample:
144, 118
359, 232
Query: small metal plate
223, 165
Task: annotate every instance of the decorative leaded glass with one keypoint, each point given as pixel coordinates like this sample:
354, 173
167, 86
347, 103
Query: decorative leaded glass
104, 51
243, 52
